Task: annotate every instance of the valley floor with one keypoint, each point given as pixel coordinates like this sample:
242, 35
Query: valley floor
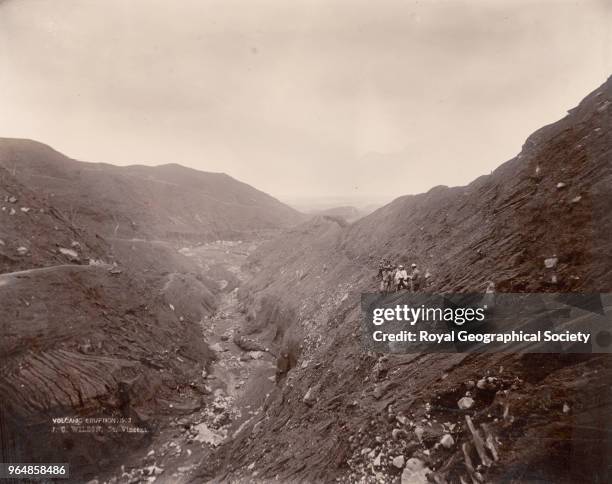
238, 383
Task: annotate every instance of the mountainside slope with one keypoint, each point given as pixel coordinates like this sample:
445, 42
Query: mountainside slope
35, 234
553, 199
340, 408
91, 329
162, 202
80, 342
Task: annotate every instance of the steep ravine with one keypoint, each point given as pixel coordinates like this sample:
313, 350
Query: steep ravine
288, 393
236, 383
341, 413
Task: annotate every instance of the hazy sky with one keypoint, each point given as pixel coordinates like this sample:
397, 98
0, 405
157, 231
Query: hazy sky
300, 98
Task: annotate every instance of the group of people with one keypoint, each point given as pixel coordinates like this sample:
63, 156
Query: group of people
395, 278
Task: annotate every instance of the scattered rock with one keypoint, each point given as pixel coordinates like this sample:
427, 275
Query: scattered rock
152, 471
561, 185
447, 441
487, 383
399, 461
12, 200
415, 472
310, 397
566, 408
208, 436
465, 403
71, 254
185, 469
217, 348
22, 250
551, 262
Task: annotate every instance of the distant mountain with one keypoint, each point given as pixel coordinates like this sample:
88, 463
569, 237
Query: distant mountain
316, 205
165, 202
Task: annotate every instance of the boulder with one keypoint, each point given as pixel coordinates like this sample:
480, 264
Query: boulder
310, 397
415, 472
447, 441
217, 348
465, 403
398, 461
551, 262
71, 254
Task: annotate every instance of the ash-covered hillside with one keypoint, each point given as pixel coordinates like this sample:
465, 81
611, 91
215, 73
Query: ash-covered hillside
35, 234
341, 413
163, 202
87, 334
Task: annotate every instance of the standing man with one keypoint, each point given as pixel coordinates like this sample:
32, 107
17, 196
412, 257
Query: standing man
415, 279
401, 278
386, 280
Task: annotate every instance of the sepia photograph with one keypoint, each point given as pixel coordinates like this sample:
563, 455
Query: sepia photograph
307, 241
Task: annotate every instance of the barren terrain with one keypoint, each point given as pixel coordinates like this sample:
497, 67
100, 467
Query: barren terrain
228, 338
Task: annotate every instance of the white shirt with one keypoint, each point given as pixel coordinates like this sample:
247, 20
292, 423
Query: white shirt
401, 275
